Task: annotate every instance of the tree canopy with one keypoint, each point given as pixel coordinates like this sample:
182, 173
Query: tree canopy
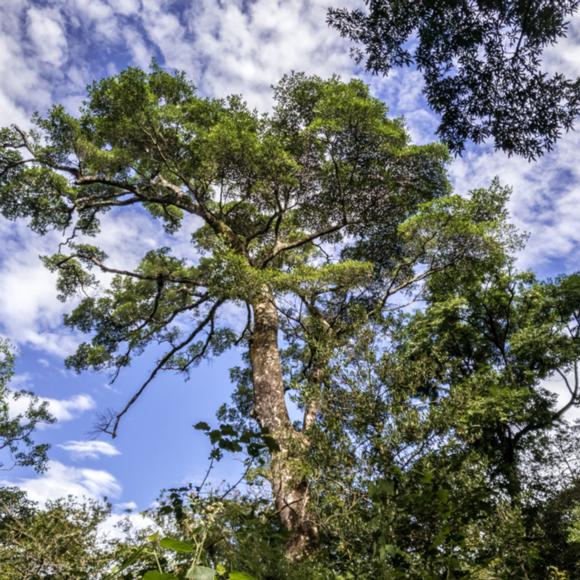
392, 383
482, 63
312, 219
58, 541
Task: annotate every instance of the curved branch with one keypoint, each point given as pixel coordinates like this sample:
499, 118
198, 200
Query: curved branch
556, 416
116, 419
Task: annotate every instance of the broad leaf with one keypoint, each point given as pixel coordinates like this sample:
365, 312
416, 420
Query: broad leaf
176, 545
200, 573
154, 575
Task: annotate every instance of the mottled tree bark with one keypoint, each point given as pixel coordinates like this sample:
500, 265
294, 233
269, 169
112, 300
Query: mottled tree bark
289, 488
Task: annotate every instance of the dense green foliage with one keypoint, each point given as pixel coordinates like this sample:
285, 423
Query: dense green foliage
481, 61
58, 541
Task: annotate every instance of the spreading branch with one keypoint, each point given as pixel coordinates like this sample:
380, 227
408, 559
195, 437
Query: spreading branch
112, 425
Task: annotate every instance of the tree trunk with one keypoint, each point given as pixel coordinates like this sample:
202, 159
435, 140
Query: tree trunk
289, 488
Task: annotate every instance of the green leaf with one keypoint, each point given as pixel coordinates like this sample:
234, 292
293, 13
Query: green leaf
154, 575
229, 445
240, 576
215, 435
202, 426
388, 550
271, 443
200, 573
176, 545
227, 429
131, 559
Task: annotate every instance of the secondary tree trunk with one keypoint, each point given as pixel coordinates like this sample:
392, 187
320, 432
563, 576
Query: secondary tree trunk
289, 488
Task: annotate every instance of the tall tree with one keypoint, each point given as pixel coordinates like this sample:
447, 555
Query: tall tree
311, 219
481, 61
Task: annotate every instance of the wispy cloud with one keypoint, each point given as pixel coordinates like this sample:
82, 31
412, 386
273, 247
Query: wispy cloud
46, 32
30, 312
61, 409
89, 449
69, 409
62, 480
545, 202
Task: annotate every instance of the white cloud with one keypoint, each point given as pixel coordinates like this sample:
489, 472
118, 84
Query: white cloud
125, 7
21, 85
402, 90
46, 31
10, 112
61, 409
564, 56
241, 47
545, 200
113, 528
140, 51
69, 409
29, 310
96, 17
61, 481
89, 449
30, 313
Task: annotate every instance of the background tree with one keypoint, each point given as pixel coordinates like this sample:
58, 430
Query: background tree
16, 444
312, 219
57, 541
490, 442
481, 61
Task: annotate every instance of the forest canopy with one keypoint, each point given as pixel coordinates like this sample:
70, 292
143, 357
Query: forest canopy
391, 402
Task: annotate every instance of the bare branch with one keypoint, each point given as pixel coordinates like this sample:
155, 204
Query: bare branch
556, 416
566, 381
116, 419
247, 327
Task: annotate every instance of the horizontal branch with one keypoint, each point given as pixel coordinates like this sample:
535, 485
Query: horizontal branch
140, 276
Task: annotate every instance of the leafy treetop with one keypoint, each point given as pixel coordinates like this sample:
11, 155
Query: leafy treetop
481, 61
324, 204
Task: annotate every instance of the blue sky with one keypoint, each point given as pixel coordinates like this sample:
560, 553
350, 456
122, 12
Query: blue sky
49, 51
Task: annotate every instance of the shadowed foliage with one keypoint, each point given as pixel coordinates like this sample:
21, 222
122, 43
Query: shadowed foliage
481, 61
